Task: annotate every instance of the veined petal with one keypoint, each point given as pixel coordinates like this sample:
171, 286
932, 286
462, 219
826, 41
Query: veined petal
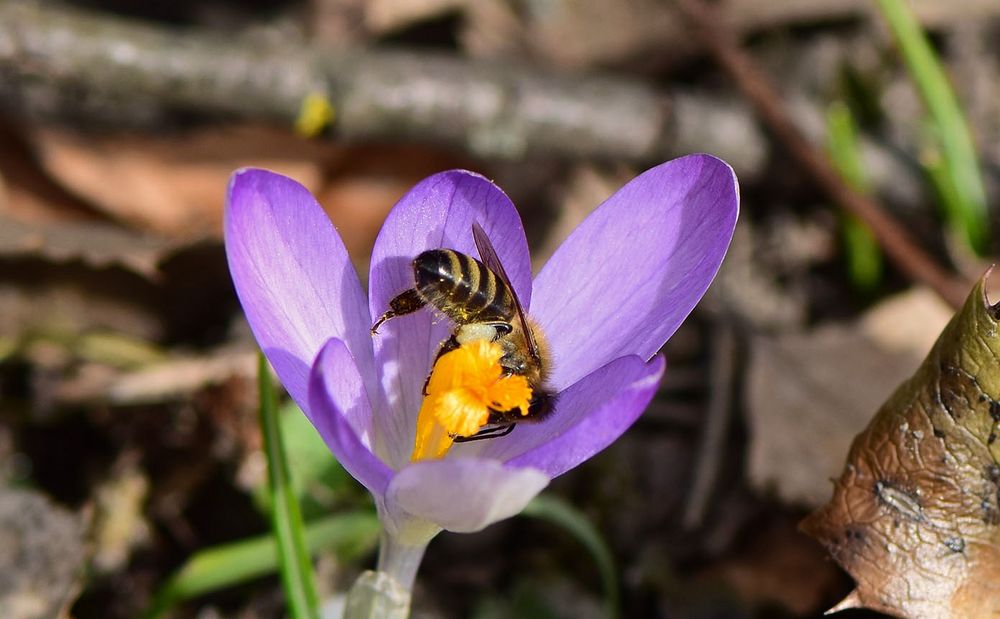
461, 494
437, 213
294, 279
588, 417
339, 409
627, 277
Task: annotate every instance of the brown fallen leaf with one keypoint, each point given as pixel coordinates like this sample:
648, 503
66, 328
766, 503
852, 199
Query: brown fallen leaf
27, 194
797, 407
799, 411
915, 516
171, 185
778, 567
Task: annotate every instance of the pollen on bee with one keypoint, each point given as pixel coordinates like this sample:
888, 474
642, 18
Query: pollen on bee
464, 386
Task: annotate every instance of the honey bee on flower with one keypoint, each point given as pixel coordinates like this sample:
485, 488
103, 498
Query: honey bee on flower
491, 372
390, 406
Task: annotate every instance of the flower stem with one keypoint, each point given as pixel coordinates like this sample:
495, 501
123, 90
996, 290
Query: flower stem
385, 594
400, 561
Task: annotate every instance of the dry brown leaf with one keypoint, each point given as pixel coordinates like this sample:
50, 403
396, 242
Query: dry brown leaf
915, 517
909, 322
26, 193
165, 381
800, 411
779, 566
173, 185
367, 182
798, 408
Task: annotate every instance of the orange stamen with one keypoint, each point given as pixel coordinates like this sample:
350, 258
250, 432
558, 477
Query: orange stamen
465, 384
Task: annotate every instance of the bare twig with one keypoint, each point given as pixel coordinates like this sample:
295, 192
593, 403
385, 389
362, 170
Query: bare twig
56, 61
711, 445
898, 244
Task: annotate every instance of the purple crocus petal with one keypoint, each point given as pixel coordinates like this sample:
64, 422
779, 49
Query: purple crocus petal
339, 409
627, 277
462, 494
437, 213
588, 417
294, 279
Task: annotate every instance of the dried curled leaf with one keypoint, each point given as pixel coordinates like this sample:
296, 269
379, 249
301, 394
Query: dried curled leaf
914, 517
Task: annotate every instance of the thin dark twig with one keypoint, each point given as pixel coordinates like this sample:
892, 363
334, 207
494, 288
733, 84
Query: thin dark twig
711, 446
751, 80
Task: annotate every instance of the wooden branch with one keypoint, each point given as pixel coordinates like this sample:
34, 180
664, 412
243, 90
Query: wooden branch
60, 62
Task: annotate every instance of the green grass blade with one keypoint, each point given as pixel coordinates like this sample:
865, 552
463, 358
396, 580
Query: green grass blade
967, 214
320, 482
349, 535
864, 258
842, 144
567, 517
286, 521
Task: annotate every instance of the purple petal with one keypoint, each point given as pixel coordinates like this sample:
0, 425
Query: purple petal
438, 212
293, 277
627, 277
462, 494
588, 417
340, 410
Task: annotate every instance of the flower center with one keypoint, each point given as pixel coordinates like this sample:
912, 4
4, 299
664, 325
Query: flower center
465, 384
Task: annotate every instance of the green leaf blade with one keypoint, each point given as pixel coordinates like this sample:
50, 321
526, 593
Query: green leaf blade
565, 516
286, 521
349, 535
861, 249
967, 210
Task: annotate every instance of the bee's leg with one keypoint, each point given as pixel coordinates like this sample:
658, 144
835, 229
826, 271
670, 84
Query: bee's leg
448, 345
502, 329
486, 433
539, 406
402, 304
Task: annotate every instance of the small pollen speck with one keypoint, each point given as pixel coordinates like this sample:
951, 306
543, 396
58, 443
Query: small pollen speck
955, 544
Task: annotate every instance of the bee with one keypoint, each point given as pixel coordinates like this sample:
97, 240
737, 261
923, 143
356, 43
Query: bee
478, 298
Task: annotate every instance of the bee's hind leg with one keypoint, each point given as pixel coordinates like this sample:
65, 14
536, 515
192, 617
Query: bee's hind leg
486, 433
447, 346
404, 303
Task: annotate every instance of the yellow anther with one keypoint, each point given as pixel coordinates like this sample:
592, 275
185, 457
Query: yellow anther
465, 384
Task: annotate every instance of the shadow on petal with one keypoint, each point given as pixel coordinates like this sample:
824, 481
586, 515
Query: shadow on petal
462, 494
628, 275
293, 276
589, 416
438, 212
338, 404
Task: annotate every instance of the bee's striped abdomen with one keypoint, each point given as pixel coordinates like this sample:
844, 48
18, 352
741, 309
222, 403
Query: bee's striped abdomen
462, 287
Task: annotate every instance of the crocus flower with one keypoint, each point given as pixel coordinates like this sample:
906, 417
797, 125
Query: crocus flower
606, 301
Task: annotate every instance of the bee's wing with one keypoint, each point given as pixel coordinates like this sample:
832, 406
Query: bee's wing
492, 262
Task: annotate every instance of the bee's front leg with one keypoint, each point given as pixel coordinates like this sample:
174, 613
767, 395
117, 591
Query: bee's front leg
404, 303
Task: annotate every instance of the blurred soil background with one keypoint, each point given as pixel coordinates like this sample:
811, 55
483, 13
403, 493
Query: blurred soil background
128, 428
